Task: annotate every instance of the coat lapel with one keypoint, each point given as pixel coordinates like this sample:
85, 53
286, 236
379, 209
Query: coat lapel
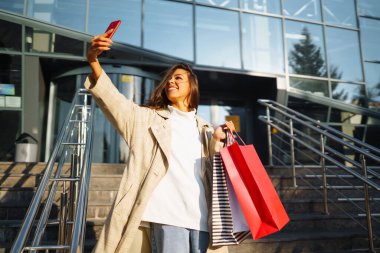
162, 132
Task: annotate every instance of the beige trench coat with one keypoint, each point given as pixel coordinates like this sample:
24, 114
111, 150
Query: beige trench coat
147, 133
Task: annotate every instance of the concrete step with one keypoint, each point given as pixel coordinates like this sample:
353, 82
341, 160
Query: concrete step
308, 231
317, 206
312, 169
37, 168
33, 180
303, 241
311, 222
315, 180
333, 192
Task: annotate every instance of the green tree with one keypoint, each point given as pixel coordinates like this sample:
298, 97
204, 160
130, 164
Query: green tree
306, 57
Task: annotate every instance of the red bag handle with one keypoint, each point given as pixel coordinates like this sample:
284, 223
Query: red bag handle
230, 138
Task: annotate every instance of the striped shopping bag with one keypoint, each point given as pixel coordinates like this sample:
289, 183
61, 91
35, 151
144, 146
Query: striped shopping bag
228, 223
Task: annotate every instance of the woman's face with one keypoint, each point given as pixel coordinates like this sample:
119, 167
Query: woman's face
178, 87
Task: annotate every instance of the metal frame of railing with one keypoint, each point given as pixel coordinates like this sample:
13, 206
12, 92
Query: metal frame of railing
292, 125
74, 143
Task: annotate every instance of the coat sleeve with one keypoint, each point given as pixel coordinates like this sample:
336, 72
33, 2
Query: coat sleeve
120, 111
214, 146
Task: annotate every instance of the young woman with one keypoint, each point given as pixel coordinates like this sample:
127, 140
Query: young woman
164, 197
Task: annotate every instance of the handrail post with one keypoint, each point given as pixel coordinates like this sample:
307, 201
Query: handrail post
323, 167
269, 136
367, 207
292, 152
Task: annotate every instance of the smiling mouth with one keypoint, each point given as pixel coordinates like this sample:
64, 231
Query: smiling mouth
172, 88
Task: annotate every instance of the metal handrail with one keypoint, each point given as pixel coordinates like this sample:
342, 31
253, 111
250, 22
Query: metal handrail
294, 115
292, 125
78, 134
327, 157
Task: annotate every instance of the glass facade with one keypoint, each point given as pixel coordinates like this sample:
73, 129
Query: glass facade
262, 47
68, 13
101, 13
168, 28
306, 51
325, 50
340, 12
217, 38
343, 54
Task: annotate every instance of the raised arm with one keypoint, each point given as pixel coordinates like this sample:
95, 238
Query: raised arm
98, 44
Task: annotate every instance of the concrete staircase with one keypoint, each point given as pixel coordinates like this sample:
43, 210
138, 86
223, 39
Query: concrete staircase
310, 230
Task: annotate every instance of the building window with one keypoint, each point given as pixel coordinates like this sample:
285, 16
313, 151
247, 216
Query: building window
217, 37
10, 36
349, 93
306, 53
10, 81
343, 54
264, 6
168, 28
224, 4
69, 13
102, 13
340, 12
45, 42
302, 9
372, 75
369, 8
10, 128
370, 37
262, 44
313, 110
315, 87
16, 6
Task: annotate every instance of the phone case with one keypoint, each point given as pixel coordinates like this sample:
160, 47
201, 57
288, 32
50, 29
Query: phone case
114, 25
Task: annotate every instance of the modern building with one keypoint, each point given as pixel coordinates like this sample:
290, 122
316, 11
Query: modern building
320, 57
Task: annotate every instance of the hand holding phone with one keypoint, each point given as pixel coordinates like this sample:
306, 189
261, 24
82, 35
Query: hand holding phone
113, 26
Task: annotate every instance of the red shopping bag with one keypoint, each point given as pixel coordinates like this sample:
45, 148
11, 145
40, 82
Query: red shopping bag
258, 199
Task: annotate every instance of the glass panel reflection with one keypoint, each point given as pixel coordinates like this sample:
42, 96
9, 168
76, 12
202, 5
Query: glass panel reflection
370, 35
349, 93
303, 9
45, 42
168, 28
262, 43
338, 116
224, 4
217, 38
369, 8
128, 11
340, 12
69, 13
311, 109
10, 36
315, 87
373, 138
306, 53
372, 75
263, 6
10, 129
10, 80
344, 54
13, 5
216, 113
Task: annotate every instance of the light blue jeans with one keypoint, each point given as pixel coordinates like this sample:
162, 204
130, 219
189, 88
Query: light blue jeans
171, 239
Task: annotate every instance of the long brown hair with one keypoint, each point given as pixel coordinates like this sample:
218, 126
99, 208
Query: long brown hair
159, 101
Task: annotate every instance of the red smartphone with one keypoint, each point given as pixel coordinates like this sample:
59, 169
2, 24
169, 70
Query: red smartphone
114, 25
